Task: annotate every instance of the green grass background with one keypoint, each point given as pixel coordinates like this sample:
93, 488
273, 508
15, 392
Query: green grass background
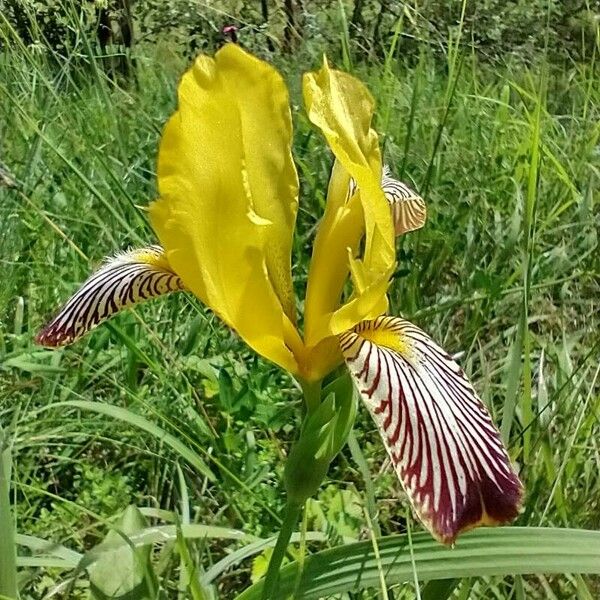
505, 271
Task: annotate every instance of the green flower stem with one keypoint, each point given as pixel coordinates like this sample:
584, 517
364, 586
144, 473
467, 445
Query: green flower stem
292, 512
312, 394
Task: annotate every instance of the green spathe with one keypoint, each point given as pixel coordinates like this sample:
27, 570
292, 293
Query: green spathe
323, 435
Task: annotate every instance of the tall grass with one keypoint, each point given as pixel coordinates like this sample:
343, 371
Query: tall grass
164, 408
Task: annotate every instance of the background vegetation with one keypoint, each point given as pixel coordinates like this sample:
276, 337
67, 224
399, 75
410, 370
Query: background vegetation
490, 109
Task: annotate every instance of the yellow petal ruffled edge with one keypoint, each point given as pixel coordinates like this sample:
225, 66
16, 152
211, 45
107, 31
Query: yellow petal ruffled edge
228, 198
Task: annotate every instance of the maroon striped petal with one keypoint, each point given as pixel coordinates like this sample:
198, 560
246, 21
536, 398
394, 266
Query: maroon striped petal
125, 280
408, 208
445, 449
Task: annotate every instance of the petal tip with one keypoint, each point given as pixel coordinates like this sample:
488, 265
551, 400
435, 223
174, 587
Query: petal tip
492, 507
51, 336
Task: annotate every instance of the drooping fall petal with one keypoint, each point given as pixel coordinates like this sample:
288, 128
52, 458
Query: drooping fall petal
445, 449
342, 108
408, 208
409, 211
228, 197
127, 279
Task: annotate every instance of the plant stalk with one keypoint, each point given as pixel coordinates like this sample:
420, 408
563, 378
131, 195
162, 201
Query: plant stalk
292, 512
312, 394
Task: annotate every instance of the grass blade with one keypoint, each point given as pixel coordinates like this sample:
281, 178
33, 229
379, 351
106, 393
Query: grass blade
8, 554
122, 414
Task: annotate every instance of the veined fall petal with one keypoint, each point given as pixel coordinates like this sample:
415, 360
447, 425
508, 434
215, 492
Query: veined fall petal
409, 211
444, 447
342, 108
129, 278
228, 197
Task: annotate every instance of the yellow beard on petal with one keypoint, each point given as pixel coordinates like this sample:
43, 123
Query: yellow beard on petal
382, 337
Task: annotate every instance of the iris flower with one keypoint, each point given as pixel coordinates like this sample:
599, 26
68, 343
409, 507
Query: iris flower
228, 196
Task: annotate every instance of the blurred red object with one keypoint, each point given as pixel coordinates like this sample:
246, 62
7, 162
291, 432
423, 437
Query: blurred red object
230, 31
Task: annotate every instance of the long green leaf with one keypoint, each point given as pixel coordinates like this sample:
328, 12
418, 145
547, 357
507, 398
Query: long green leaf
44, 562
44, 548
122, 414
252, 549
500, 552
8, 554
168, 533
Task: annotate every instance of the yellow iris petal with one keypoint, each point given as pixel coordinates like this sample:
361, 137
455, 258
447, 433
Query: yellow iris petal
228, 198
342, 108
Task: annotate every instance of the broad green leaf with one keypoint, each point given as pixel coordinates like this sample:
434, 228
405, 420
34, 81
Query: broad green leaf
45, 562
168, 533
122, 571
487, 552
27, 362
439, 589
164, 534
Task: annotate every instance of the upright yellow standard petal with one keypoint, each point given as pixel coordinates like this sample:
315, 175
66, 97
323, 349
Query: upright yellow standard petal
342, 108
228, 198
